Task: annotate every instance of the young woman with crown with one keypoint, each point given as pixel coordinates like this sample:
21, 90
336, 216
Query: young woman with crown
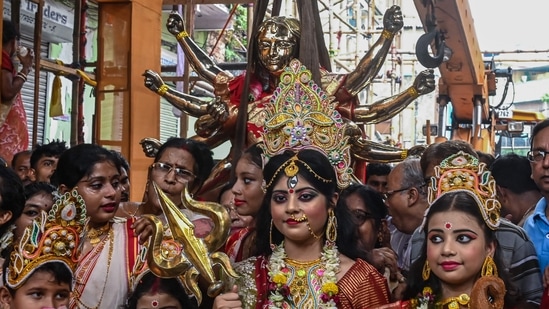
459, 265
39, 271
110, 246
304, 258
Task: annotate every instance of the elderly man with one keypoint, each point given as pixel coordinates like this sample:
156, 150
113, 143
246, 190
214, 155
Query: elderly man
406, 199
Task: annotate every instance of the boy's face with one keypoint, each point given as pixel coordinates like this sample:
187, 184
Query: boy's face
44, 169
41, 201
41, 290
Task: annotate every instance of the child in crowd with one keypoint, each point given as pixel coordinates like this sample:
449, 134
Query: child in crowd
39, 271
38, 198
44, 159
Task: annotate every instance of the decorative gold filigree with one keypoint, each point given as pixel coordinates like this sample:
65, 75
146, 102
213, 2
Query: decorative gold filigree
51, 237
176, 252
300, 116
463, 172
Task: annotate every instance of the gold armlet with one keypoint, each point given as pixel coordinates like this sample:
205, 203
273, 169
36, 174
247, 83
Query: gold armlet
404, 154
162, 90
181, 35
387, 34
413, 92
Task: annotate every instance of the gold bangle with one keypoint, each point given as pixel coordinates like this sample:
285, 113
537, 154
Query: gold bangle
21, 76
387, 34
162, 90
181, 35
413, 92
404, 154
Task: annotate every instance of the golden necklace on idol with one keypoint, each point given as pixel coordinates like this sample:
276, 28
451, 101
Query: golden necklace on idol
310, 284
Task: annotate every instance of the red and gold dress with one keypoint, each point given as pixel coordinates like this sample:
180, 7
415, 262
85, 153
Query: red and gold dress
361, 287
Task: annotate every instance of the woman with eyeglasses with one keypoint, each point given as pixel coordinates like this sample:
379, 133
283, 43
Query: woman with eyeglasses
369, 213
179, 162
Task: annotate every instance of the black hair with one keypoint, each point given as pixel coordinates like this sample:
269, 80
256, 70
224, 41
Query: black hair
78, 162
202, 155
255, 153
372, 199
435, 153
227, 187
464, 202
52, 149
123, 162
537, 128
36, 187
151, 283
377, 169
486, 158
12, 196
9, 32
17, 155
61, 273
347, 240
513, 172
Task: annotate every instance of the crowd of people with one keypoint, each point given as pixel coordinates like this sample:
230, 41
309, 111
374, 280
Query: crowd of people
451, 228
444, 230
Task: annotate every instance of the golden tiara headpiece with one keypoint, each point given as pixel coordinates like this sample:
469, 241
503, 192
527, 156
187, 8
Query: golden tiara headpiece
462, 172
51, 237
301, 116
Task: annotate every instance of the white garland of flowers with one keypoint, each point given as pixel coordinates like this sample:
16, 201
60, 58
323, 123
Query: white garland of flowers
278, 276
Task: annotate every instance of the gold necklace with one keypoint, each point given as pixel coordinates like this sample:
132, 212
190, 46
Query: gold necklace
454, 302
300, 283
109, 258
94, 234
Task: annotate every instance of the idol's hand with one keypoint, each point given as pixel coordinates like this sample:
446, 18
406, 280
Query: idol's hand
392, 20
425, 82
150, 146
218, 110
175, 23
153, 81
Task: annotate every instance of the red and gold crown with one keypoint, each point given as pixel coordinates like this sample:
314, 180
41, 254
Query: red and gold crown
463, 172
51, 237
302, 116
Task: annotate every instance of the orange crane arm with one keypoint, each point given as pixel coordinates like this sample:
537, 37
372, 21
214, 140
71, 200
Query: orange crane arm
463, 77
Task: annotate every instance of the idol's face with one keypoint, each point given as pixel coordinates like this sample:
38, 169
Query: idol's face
277, 46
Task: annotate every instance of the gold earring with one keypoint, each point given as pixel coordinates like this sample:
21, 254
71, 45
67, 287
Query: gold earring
331, 228
426, 273
489, 267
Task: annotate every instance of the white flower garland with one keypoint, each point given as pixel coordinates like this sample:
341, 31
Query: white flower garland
278, 279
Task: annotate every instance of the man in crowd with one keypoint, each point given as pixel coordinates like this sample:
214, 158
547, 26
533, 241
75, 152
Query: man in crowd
537, 225
518, 194
21, 165
44, 160
376, 176
406, 198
